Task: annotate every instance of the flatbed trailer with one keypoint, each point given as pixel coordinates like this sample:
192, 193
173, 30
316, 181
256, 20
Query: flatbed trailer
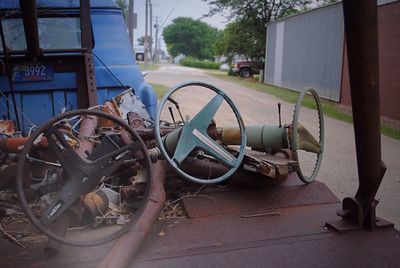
285, 225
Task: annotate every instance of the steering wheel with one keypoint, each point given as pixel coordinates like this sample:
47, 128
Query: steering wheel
193, 134
294, 137
70, 160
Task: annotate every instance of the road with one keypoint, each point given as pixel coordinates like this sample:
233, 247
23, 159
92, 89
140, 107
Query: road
339, 166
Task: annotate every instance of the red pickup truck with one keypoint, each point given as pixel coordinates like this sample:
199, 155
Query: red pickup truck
247, 68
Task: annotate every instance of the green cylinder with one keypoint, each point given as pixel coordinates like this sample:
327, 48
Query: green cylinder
258, 136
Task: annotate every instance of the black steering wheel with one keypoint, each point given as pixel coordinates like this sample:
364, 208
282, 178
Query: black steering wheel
193, 135
70, 160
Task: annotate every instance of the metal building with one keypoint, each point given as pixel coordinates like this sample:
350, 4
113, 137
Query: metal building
306, 50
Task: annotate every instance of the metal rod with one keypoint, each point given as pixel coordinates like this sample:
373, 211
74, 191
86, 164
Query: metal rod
279, 114
29, 17
127, 246
86, 25
361, 27
146, 37
151, 30
130, 22
9, 73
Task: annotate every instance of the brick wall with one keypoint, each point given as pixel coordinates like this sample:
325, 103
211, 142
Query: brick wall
389, 63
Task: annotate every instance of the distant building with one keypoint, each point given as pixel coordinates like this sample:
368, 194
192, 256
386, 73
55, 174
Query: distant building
308, 50
178, 58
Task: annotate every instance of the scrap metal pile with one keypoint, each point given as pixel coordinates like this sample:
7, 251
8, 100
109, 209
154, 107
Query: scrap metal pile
85, 177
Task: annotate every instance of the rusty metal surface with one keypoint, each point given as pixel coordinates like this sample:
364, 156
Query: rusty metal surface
86, 25
127, 246
243, 201
296, 238
361, 29
15, 145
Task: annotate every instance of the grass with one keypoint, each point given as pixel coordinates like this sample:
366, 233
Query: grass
331, 109
150, 66
159, 89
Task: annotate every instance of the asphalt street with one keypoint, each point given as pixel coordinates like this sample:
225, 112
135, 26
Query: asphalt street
339, 166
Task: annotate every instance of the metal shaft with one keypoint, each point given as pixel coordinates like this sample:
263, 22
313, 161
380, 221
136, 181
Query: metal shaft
130, 22
127, 246
361, 29
30, 21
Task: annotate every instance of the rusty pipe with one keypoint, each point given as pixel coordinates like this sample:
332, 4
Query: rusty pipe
86, 129
361, 27
127, 246
15, 145
204, 168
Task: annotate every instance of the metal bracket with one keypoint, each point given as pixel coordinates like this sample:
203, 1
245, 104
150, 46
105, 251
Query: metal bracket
355, 218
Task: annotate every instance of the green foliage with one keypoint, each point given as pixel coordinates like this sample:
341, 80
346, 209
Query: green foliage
159, 89
122, 4
247, 33
203, 64
190, 37
151, 66
140, 41
241, 38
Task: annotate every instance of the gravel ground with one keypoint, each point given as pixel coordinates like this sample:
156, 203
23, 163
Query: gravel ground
339, 166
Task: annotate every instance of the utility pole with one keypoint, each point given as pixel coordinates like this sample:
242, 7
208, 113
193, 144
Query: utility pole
156, 25
130, 22
146, 37
151, 31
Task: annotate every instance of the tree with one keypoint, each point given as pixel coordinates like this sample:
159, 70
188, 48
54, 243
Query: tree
249, 20
140, 41
123, 6
190, 37
240, 38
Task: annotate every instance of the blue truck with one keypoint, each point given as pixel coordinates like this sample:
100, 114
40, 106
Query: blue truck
40, 86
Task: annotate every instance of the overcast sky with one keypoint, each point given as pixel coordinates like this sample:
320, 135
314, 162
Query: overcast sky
178, 8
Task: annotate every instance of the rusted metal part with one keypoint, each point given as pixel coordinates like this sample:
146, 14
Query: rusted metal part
15, 145
109, 108
29, 17
361, 30
231, 135
248, 201
135, 121
87, 129
7, 127
249, 177
91, 89
86, 25
96, 203
352, 214
127, 246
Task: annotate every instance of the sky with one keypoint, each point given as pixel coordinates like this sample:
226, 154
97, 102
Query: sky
177, 8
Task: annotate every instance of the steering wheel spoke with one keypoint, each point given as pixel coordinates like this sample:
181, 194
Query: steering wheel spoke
194, 135
64, 199
111, 162
65, 154
213, 148
203, 118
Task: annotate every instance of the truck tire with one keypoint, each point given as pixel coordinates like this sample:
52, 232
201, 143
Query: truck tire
245, 72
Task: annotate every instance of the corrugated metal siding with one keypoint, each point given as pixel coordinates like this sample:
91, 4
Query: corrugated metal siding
312, 51
270, 52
